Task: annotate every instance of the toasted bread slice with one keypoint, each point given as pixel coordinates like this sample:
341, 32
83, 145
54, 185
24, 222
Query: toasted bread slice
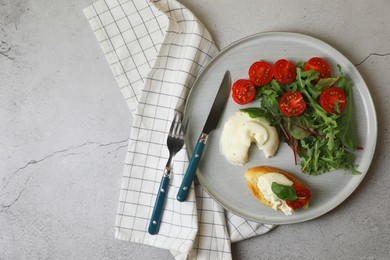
252, 175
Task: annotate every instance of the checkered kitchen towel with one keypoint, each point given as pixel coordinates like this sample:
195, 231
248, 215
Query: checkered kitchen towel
156, 50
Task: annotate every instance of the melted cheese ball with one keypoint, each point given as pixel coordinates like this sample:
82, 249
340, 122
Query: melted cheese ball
240, 131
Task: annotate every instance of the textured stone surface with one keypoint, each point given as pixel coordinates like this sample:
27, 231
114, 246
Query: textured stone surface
65, 126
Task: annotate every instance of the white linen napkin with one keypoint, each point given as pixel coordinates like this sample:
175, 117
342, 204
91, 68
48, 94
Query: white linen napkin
156, 50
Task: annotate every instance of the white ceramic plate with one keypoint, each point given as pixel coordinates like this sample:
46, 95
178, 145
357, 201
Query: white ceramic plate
226, 183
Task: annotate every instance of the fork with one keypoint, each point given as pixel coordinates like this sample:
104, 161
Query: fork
175, 143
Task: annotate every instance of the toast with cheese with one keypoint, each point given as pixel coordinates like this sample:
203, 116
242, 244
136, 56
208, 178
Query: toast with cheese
252, 175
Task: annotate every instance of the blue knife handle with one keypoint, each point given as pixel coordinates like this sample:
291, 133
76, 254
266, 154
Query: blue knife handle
192, 167
155, 220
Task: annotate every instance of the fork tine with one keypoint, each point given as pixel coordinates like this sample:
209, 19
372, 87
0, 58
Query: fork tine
173, 124
185, 125
179, 129
178, 126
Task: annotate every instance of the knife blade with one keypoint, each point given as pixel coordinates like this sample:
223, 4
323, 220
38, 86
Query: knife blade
211, 123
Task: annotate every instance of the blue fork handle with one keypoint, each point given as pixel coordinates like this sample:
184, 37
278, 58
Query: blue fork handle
192, 167
155, 220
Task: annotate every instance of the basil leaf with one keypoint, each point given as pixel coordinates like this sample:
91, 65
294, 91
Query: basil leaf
284, 192
253, 112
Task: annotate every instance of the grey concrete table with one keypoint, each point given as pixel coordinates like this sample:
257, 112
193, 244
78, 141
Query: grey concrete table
65, 126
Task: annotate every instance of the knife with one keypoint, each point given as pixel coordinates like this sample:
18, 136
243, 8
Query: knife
211, 123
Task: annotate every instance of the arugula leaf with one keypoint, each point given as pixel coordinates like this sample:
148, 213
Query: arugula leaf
284, 192
276, 87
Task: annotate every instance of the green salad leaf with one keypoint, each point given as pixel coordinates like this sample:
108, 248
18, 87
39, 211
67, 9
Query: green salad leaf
345, 122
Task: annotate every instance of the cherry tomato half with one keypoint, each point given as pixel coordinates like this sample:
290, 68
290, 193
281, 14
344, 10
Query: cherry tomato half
284, 71
295, 204
243, 91
260, 73
304, 196
292, 103
320, 65
330, 96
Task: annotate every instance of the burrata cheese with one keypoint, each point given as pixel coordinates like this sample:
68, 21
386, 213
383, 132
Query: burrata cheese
240, 131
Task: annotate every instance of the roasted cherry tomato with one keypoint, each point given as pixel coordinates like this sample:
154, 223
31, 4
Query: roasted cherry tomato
260, 73
243, 91
330, 97
320, 65
304, 196
292, 103
284, 71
